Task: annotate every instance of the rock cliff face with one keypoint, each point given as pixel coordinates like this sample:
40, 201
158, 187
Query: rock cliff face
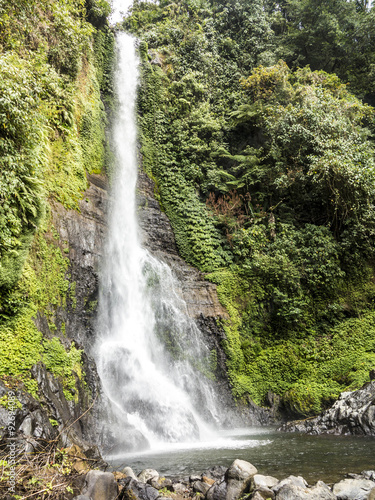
352, 413
83, 232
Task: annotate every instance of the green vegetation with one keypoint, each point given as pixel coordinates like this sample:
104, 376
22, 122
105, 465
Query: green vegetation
265, 168
55, 65
254, 127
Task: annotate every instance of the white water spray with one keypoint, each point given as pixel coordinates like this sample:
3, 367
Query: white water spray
150, 355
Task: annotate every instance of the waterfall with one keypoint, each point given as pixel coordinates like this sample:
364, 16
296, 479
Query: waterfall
151, 360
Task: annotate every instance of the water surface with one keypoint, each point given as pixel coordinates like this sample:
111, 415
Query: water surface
326, 458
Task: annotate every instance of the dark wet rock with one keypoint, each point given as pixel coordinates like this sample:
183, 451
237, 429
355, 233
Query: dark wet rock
134, 490
354, 489
100, 485
218, 491
216, 473
352, 413
82, 235
32, 428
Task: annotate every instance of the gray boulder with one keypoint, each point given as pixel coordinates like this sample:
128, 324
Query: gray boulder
355, 489
236, 483
128, 471
260, 481
290, 491
218, 491
297, 481
238, 478
100, 485
147, 474
216, 473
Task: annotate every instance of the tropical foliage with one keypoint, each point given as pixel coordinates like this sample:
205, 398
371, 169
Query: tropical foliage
265, 167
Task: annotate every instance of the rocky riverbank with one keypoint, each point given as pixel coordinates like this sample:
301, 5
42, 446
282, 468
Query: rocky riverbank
352, 413
240, 480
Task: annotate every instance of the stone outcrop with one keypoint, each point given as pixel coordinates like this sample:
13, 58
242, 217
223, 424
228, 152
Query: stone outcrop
84, 232
352, 413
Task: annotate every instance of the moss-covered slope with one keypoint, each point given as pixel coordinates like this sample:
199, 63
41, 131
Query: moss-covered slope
55, 63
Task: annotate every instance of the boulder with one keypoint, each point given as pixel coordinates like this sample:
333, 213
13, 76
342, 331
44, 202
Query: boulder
147, 474
260, 481
192, 479
100, 485
238, 478
354, 489
236, 482
368, 474
218, 491
297, 481
135, 490
293, 491
258, 495
128, 471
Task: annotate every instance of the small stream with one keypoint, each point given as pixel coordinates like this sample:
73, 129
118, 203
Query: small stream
326, 458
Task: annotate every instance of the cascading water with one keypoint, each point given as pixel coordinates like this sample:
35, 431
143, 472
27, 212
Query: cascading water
150, 356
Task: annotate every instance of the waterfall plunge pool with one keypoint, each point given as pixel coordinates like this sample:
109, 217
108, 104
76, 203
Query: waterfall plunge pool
326, 458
